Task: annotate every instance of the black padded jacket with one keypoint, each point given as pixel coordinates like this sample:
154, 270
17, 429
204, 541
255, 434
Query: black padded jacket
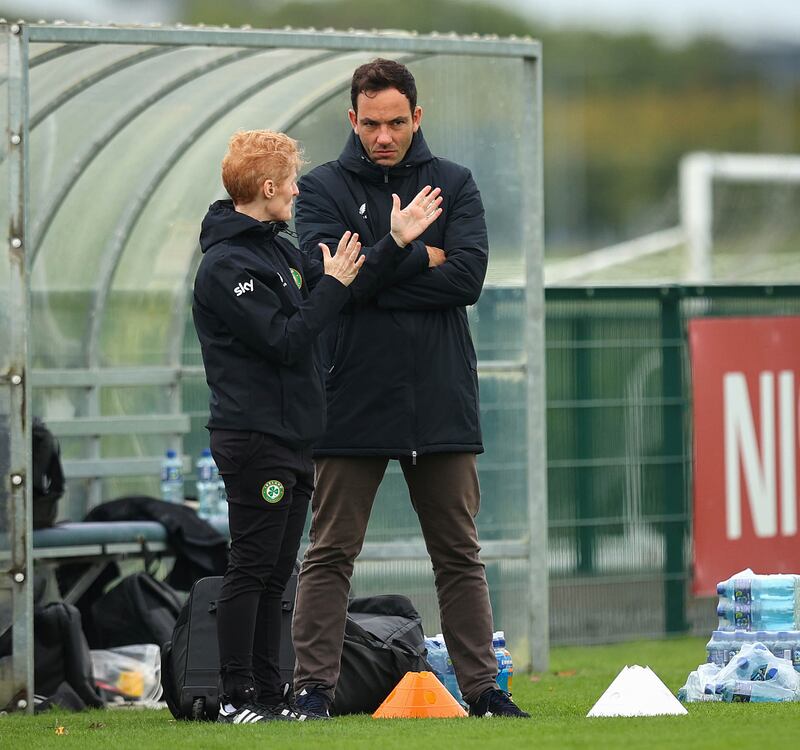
401, 370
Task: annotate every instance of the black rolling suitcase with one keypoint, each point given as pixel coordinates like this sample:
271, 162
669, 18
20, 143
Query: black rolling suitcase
190, 661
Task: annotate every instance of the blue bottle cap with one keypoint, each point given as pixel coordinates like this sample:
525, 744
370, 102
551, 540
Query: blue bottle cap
205, 452
171, 453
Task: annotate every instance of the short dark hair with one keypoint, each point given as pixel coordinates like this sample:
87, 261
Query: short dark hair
381, 74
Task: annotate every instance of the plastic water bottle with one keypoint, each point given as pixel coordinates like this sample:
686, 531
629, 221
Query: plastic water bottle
442, 665
786, 645
757, 665
759, 615
759, 588
710, 693
505, 665
719, 647
172, 478
767, 637
733, 646
796, 650
756, 692
207, 485
781, 644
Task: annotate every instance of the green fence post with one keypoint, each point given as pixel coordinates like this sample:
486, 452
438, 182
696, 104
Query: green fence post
673, 445
584, 482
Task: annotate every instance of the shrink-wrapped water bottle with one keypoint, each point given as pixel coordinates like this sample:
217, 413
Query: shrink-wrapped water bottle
758, 615
781, 644
786, 645
719, 647
442, 665
756, 665
746, 590
172, 478
756, 692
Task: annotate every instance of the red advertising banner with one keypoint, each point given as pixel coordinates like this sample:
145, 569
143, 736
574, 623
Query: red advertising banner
745, 377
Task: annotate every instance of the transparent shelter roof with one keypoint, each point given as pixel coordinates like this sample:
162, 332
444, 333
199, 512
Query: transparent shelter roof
126, 141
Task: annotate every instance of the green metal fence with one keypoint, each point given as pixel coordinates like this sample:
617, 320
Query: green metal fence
619, 454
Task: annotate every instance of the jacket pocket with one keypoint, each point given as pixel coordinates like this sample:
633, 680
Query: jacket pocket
337, 346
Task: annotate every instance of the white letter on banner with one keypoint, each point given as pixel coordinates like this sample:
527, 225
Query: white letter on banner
787, 448
759, 470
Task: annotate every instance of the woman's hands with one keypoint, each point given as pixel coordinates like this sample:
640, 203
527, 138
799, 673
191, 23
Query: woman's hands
343, 266
410, 222
406, 225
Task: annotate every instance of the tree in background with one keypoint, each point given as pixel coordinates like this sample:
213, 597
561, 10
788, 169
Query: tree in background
620, 110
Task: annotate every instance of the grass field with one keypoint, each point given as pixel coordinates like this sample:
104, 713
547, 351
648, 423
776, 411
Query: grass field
558, 700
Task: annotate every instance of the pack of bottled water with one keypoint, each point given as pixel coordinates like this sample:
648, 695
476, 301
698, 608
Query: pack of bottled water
754, 675
757, 609
754, 655
724, 645
751, 602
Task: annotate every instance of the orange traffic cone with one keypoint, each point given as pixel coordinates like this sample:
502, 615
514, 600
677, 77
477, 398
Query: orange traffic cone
419, 695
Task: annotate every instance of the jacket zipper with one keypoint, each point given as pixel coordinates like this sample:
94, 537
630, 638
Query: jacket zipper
413, 458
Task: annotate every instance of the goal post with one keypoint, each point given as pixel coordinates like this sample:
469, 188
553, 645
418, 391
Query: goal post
698, 173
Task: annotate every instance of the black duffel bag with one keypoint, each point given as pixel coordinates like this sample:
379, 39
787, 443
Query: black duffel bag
139, 609
383, 640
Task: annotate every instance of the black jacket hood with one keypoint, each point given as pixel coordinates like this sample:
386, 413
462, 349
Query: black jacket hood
223, 221
354, 159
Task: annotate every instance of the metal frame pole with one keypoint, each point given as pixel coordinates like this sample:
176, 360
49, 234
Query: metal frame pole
17, 482
533, 242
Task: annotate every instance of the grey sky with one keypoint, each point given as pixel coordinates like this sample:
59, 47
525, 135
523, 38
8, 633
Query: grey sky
748, 21
738, 20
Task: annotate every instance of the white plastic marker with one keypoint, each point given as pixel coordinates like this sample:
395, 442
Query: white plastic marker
637, 691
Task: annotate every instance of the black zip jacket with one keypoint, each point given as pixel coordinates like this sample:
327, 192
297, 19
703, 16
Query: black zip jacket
258, 323
401, 368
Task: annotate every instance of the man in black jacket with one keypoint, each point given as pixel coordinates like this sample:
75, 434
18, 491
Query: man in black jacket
402, 383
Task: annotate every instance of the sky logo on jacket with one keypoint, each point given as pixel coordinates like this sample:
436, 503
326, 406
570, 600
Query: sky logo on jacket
241, 288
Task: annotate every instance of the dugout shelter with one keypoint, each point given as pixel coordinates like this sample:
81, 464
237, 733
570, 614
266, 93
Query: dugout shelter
112, 144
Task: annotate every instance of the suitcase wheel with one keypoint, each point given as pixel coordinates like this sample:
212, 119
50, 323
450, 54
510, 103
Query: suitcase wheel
199, 709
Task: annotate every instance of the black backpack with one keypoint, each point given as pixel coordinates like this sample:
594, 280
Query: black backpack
139, 609
63, 673
383, 640
48, 475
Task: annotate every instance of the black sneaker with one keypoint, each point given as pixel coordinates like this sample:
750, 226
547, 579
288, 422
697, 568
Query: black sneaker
313, 703
285, 712
496, 702
247, 713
